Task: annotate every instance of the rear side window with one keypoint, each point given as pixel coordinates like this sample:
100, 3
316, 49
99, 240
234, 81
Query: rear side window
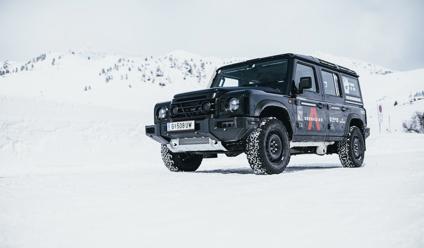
305, 71
351, 86
331, 83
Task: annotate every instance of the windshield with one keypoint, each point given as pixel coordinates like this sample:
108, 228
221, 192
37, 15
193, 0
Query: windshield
267, 74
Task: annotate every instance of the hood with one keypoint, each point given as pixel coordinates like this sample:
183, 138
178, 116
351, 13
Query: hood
207, 92
216, 92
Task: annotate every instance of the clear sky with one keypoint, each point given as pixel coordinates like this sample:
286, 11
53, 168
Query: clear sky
390, 33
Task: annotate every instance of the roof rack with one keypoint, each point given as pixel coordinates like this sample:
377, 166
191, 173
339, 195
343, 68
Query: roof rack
338, 67
347, 70
328, 63
307, 58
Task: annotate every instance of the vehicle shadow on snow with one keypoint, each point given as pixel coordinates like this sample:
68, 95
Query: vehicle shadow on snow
297, 168
289, 169
228, 171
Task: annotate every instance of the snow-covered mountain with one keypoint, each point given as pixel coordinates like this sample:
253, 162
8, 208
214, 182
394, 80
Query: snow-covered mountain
163, 70
106, 80
138, 82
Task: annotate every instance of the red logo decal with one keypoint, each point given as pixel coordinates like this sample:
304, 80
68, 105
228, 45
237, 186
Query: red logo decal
313, 117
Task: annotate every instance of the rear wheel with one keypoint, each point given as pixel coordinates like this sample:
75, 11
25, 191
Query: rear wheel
351, 149
180, 161
268, 147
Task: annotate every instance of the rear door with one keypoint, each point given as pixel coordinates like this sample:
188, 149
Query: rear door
333, 96
311, 120
353, 96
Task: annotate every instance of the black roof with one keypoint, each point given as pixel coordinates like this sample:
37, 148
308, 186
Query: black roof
306, 58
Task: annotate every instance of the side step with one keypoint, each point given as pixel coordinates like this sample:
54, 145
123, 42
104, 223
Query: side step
321, 147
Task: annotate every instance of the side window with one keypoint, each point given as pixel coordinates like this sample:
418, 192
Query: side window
351, 86
337, 85
228, 82
305, 71
331, 83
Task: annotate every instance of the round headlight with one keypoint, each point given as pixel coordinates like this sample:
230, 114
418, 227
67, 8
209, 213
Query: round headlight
234, 104
162, 113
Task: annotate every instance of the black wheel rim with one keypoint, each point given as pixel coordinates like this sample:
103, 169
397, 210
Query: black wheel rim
358, 149
274, 147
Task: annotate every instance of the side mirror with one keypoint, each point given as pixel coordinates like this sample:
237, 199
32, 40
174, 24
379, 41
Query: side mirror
304, 83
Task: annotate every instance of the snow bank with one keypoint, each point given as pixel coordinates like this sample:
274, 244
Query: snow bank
41, 134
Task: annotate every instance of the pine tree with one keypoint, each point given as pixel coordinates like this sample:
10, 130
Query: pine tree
159, 72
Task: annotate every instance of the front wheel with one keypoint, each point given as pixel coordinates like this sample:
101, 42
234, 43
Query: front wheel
351, 149
268, 147
180, 161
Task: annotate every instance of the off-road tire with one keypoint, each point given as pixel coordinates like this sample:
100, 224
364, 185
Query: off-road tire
263, 157
180, 161
346, 148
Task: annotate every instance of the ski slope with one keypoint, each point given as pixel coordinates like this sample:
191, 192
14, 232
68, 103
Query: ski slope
76, 169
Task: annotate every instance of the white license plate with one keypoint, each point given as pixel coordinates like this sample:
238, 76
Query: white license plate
180, 126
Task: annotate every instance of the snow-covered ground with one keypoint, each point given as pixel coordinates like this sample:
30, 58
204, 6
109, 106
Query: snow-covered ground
76, 169
314, 203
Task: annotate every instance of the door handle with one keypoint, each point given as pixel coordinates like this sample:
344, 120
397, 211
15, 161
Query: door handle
344, 109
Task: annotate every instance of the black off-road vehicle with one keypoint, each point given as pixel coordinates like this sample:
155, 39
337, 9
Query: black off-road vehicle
269, 108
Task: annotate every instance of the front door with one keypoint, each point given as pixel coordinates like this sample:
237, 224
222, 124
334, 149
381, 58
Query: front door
311, 120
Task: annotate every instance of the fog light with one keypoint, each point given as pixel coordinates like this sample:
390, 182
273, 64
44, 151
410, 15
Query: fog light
206, 106
175, 110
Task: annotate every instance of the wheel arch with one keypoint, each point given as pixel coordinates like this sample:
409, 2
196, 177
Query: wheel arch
355, 120
277, 110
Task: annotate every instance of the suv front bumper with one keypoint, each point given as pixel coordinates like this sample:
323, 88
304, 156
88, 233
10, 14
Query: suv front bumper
216, 130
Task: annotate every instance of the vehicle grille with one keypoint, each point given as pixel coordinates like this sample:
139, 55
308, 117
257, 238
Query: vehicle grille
192, 107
